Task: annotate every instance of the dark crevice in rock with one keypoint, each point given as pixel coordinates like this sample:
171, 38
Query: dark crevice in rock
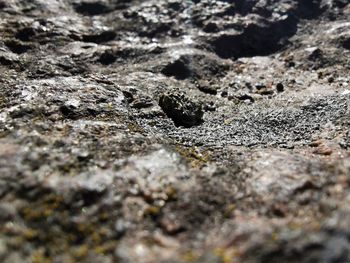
100, 38
346, 44
25, 34
340, 3
6, 61
309, 9
2, 5
245, 97
91, 8
208, 89
110, 56
69, 112
243, 6
179, 69
256, 40
107, 58
266, 37
17, 47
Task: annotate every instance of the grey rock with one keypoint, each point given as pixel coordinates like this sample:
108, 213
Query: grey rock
134, 131
181, 110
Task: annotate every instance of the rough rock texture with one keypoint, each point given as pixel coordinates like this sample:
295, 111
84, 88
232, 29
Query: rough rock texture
174, 131
181, 110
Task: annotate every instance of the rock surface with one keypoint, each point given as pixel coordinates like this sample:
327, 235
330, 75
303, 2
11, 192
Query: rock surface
181, 110
174, 131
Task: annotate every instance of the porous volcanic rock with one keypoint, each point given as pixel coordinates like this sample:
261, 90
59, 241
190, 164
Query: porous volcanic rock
174, 131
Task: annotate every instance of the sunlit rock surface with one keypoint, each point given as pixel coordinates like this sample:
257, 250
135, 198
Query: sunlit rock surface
174, 131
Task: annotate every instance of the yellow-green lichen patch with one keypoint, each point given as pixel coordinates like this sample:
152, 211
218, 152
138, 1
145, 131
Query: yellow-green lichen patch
194, 156
226, 255
52, 231
2, 101
190, 257
38, 256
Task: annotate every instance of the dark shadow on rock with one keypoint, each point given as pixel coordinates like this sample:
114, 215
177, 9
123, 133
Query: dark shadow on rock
26, 34
266, 37
256, 40
108, 57
346, 44
100, 37
91, 8
180, 69
309, 9
17, 47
